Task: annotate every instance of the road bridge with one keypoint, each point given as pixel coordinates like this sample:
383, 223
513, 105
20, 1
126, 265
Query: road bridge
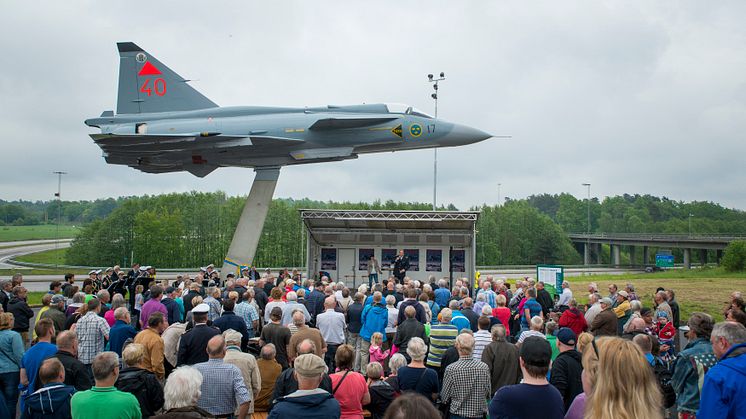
591, 245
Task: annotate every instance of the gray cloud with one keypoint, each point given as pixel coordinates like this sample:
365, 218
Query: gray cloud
633, 97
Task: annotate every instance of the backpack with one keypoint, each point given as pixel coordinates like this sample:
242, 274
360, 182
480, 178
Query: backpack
663, 376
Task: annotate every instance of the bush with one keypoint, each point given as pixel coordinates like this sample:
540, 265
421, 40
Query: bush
734, 259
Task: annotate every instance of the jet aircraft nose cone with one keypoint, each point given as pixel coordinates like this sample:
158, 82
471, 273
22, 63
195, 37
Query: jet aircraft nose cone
462, 134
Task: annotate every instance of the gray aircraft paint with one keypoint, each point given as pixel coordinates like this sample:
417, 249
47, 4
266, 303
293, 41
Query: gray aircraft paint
164, 125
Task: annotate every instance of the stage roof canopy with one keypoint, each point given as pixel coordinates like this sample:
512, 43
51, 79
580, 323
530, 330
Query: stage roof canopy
377, 227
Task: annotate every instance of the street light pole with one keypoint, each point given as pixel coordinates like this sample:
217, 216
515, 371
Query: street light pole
435, 150
499, 202
588, 226
59, 206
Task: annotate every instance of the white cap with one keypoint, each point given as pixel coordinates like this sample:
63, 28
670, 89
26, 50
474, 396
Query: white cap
201, 308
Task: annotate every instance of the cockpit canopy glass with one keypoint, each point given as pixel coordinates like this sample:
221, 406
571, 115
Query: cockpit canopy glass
406, 110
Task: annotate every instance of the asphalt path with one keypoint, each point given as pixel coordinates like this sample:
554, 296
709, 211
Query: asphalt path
31, 242
26, 247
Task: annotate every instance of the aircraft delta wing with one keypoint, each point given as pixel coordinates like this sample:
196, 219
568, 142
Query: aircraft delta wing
163, 125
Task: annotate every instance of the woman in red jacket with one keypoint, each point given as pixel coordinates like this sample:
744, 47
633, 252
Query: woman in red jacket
573, 318
502, 313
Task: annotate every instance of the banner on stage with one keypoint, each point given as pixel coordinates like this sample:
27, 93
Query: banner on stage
414, 259
363, 257
433, 260
458, 260
328, 259
387, 258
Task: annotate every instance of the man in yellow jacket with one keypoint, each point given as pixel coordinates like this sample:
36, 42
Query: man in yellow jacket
622, 307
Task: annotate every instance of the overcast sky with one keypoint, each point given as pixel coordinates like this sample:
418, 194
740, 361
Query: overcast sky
633, 97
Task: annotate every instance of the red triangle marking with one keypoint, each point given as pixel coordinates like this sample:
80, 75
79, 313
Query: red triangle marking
149, 70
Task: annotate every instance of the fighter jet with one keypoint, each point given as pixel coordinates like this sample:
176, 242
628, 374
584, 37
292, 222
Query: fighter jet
163, 124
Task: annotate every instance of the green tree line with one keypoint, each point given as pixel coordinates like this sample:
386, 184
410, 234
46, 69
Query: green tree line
639, 214
517, 233
46, 212
191, 229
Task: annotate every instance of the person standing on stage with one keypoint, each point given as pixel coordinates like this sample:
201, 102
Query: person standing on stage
401, 265
374, 268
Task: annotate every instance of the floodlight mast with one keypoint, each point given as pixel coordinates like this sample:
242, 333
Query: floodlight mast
59, 207
434, 81
588, 226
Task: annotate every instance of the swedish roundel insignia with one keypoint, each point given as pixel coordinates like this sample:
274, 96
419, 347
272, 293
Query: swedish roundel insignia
415, 130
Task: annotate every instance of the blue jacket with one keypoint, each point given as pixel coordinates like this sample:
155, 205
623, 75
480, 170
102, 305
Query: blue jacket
435, 309
315, 303
50, 401
724, 391
375, 318
442, 295
420, 313
118, 334
172, 308
180, 303
696, 358
460, 321
317, 404
229, 320
11, 351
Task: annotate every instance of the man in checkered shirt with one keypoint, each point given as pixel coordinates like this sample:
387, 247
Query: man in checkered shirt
466, 382
223, 388
92, 331
248, 313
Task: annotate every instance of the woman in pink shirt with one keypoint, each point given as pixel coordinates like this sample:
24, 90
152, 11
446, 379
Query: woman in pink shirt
116, 301
350, 388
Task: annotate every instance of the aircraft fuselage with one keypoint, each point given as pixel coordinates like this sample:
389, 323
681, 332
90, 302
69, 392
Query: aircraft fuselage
164, 125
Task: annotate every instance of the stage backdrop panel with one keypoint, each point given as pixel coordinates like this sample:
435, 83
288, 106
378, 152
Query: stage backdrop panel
414, 259
458, 260
328, 259
363, 257
387, 258
433, 260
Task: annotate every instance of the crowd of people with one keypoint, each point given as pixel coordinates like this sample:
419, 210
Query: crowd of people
277, 345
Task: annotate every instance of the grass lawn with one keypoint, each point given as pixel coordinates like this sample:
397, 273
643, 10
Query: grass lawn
704, 290
34, 297
38, 232
54, 257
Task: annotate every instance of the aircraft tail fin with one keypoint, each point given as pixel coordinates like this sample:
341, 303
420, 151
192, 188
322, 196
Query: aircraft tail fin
147, 85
